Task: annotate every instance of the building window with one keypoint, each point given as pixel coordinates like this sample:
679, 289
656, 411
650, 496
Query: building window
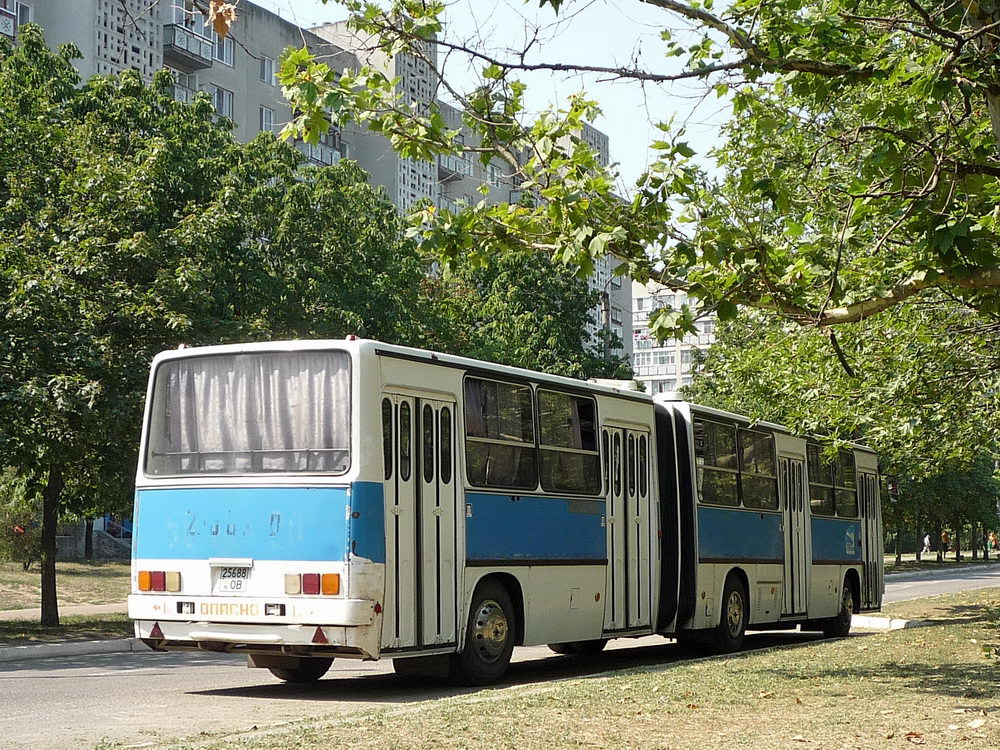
225, 49
494, 175
223, 101
269, 70
23, 11
267, 119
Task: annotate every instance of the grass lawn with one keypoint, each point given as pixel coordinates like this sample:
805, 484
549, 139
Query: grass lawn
72, 628
933, 686
929, 562
97, 582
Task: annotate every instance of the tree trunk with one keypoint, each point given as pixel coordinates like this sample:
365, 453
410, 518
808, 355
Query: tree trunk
938, 531
920, 541
958, 540
899, 545
50, 516
975, 541
88, 540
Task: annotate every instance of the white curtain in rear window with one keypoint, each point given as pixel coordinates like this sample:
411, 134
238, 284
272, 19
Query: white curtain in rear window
252, 413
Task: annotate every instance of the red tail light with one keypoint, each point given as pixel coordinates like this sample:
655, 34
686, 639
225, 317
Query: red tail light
310, 583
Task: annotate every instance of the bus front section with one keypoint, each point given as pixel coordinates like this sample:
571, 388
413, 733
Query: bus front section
254, 531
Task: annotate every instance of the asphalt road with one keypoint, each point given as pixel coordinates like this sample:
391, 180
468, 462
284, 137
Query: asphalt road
135, 699
903, 586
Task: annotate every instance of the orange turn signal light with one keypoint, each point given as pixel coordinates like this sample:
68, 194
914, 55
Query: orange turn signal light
331, 584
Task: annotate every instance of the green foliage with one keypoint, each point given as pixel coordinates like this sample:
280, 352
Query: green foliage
133, 223
909, 396
20, 521
526, 310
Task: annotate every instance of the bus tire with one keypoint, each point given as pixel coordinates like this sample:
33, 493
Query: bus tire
579, 648
840, 626
489, 637
307, 670
730, 633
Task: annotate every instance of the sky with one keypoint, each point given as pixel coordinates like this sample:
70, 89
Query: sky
592, 32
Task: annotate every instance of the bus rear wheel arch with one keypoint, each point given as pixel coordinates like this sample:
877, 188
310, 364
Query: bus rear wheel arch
490, 634
839, 626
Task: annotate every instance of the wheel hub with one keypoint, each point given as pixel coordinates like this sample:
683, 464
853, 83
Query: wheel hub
734, 614
490, 631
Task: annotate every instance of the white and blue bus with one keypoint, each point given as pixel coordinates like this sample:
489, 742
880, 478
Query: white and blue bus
309, 500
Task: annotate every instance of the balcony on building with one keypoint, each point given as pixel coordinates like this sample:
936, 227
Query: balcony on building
453, 167
8, 22
186, 49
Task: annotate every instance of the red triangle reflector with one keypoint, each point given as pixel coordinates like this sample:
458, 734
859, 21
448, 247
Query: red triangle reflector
156, 632
319, 636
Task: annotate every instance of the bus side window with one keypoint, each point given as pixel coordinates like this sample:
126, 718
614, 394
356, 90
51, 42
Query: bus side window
820, 482
387, 436
428, 447
758, 473
616, 467
643, 469
445, 445
630, 464
846, 488
606, 444
716, 463
404, 441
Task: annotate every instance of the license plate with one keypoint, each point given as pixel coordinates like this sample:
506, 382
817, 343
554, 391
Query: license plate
232, 581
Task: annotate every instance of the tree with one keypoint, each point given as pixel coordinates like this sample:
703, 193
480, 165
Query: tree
860, 168
131, 224
917, 386
525, 310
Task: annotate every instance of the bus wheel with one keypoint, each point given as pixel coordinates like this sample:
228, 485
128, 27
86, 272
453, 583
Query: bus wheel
580, 648
840, 626
307, 670
731, 630
489, 637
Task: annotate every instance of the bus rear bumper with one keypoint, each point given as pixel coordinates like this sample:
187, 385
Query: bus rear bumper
347, 627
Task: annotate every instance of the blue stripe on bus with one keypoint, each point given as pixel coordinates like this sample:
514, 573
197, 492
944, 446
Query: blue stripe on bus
368, 521
732, 534
836, 539
501, 527
262, 523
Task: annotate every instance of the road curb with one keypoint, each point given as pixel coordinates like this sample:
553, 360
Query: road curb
867, 622
73, 648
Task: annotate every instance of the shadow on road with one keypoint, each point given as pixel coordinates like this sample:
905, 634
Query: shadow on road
392, 688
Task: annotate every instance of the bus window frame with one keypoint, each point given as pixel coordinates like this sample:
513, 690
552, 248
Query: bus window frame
520, 444
698, 482
740, 455
147, 419
542, 447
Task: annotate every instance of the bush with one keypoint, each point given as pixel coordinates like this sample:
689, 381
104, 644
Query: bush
20, 522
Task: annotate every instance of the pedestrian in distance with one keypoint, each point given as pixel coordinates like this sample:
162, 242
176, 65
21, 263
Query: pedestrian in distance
927, 545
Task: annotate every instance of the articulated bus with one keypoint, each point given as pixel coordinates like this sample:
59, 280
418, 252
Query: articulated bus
310, 500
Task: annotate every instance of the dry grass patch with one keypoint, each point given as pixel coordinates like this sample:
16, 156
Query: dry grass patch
71, 628
932, 686
97, 582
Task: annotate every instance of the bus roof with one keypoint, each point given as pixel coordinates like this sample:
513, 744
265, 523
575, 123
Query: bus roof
402, 352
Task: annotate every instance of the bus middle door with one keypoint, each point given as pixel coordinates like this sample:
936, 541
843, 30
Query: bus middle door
628, 584
791, 472
421, 585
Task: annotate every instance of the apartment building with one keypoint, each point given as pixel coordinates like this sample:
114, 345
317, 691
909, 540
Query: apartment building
238, 72
665, 367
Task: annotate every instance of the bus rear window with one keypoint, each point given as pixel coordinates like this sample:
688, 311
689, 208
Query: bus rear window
260, 413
